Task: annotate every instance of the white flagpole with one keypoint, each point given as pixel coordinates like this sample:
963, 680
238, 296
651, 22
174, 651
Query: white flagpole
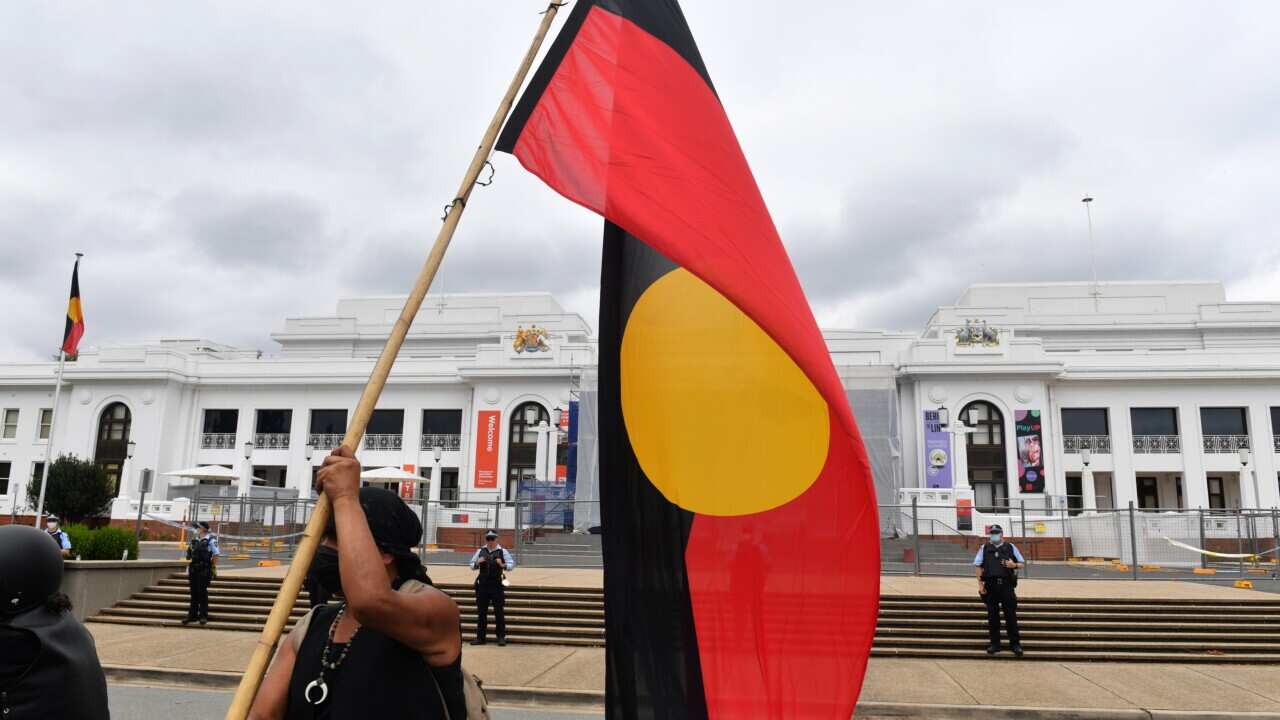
48, 449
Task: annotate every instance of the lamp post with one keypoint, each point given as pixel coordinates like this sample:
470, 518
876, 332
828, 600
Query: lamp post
129, 449
246, 474
431, 508
1244, 467
304, 488
1087, 488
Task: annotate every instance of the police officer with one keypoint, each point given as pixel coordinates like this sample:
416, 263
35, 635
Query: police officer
60, 537
996, 566
48, 663
491, 560
203, 553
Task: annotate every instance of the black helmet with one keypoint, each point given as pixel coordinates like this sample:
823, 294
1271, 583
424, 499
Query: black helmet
30, 569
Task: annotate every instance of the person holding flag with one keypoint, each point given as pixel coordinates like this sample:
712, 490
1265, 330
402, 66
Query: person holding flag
71, 335
712, 608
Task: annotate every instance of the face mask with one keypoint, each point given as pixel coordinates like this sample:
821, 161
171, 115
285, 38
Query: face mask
995, 537
325, 566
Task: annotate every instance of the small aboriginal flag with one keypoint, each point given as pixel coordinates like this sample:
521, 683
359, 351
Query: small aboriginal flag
75, 316
741, 542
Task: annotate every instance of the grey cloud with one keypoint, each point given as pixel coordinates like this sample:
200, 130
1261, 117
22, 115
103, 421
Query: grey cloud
226, 165
265, 229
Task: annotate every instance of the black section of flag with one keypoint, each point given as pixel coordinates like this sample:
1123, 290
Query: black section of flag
652, 662
661, 18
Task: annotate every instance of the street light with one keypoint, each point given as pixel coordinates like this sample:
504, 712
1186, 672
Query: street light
531, 415
309, 451
1085, 456
556, 416
1244, 467
248, 450
944, 416
131, 447
437, 452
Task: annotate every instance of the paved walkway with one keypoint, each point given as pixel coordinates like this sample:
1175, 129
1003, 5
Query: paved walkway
889, 584
1232, 688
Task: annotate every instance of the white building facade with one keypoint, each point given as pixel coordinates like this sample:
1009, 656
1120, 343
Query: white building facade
460, 385
1173, 392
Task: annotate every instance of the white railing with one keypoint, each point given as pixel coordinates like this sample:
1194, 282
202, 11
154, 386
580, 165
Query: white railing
1156, 444
324, 441
383, 442
1225, 444
217, 441
1093, 443
441, 440
271, 441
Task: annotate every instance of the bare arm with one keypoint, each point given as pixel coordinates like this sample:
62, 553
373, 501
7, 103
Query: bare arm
273, 695
426, 621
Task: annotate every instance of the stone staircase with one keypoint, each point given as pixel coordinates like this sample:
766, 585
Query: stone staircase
909, 626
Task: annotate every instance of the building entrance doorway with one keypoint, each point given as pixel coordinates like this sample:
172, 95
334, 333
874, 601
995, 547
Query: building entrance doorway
985, 451
522, 450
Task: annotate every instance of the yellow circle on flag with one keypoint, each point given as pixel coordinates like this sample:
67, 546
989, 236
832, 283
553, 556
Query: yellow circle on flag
722, 421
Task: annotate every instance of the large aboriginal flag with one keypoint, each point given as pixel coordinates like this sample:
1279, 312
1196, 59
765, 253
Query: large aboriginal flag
740, 535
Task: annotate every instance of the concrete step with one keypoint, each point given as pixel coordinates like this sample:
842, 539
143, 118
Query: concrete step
1081, 656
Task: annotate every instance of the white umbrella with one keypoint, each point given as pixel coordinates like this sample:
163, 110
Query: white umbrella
389, 473
207, 472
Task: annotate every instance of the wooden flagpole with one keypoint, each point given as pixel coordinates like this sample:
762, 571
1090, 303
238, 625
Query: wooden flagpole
271, 632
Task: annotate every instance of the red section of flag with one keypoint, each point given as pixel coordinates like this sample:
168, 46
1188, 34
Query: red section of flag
628, 129
785, 609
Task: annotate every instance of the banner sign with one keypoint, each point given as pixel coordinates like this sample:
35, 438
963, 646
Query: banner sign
1026, 426
964, 514
488, 432
937, 452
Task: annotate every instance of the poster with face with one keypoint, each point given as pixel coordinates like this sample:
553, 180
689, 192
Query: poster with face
1026, 426
937, 449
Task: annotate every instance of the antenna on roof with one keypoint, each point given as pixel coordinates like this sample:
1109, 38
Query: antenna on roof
1093, 258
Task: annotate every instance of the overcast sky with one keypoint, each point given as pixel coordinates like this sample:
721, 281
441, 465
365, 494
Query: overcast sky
225, 165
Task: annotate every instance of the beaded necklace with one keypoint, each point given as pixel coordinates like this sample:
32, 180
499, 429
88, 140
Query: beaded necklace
319, 683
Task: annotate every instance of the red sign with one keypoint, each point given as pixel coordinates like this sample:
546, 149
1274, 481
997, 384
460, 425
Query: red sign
408, 467
562, 474
964, 514
406, 491
488, 430
461, 518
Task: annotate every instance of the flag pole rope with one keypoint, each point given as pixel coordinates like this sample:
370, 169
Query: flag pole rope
262, 652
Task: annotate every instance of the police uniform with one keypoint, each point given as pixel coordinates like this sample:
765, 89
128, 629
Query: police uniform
1000, 582
201, 551
60, 538
489, 589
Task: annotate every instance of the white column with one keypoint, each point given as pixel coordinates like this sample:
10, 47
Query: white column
959, 456
1195, 488
1124, 488
1088, 490
433, 504
540, 456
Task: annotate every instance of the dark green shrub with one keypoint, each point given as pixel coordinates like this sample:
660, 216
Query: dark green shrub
80, 537
104, 543
78, 490
110, 543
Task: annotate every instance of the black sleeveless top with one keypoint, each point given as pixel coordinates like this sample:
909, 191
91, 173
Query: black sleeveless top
50, 669
380, 678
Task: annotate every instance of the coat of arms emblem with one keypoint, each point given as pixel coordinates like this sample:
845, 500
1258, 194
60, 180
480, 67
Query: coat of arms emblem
531, 341
977, 333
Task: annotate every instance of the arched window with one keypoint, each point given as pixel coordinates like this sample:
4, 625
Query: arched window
113, 441
985, 453
522, 448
